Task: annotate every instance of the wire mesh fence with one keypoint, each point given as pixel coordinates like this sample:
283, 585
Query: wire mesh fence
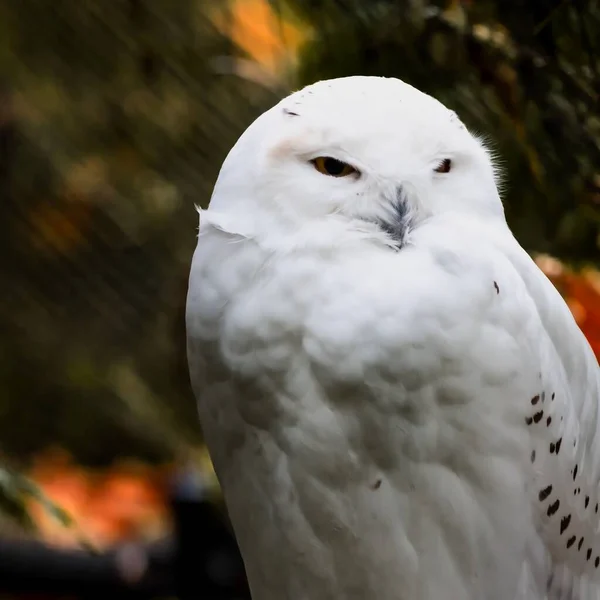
114, 119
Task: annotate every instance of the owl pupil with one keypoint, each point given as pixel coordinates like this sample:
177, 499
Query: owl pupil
445, 166
333, 166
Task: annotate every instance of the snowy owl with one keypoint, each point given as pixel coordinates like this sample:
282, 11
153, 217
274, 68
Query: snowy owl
397, 402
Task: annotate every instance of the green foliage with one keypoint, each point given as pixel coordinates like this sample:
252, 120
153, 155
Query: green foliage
16, 491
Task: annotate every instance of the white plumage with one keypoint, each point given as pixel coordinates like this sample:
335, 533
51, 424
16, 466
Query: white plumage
398, 403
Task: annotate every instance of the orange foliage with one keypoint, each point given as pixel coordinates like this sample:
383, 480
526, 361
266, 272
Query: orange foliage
57, 230
128, 501
63, 226
581, 292
254, 26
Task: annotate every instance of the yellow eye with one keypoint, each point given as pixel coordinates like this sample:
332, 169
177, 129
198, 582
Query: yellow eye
333, 167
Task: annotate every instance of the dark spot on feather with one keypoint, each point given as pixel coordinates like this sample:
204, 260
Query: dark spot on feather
545, 493
596, 509
548, 421
376, 485
558, 443
553, 395
496, 287
587, 501
552, 447
553, 508
597, 562
580, 543
528, 420
543, 396
290, 113
588, 554
538, 416
564, 523
533, 456
574, 472
535, 399
571, 541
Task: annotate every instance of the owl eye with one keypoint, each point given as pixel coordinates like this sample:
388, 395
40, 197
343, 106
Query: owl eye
444, 166
332, 167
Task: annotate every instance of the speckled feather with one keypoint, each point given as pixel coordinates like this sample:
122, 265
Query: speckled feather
399, 405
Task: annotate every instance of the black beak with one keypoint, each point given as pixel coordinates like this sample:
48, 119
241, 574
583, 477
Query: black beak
398, 221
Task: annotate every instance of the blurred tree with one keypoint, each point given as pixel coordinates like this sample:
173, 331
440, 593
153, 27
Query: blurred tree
113, 123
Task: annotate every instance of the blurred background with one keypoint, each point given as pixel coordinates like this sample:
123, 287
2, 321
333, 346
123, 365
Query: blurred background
115, 116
